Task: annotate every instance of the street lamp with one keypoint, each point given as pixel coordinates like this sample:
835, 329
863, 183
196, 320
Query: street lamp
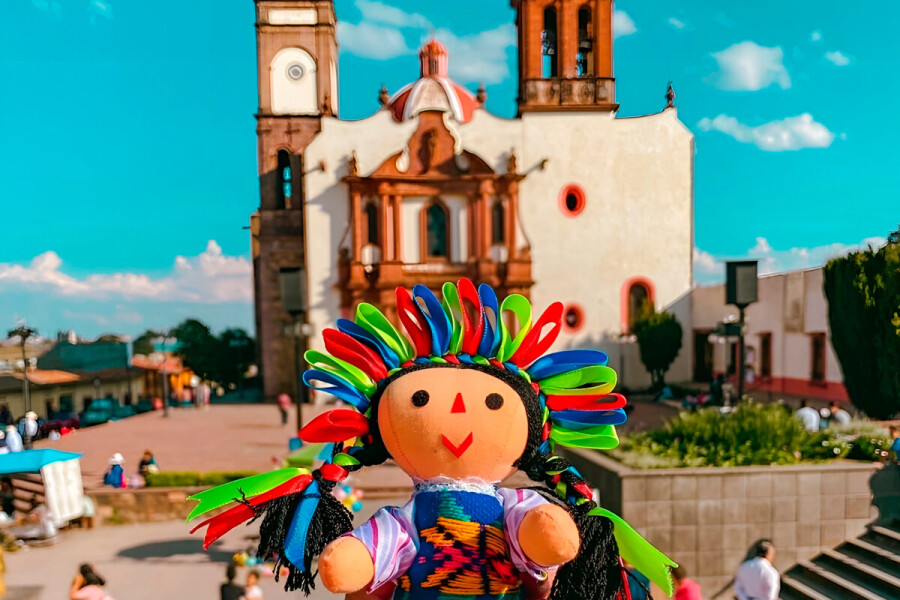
741, 291
293, 300
23, 332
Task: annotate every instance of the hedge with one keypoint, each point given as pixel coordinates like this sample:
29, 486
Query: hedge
194, 479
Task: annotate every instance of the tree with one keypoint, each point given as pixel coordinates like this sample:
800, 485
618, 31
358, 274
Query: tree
659, 341
238, 352
863, 292
198, 348
23, 332
143, 344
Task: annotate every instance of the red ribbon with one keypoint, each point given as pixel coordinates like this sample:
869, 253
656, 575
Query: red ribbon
473, 324
347, 348
536, 343
336, 425
414, 321
586, 402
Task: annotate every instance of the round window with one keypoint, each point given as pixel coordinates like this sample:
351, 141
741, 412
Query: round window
573, 317
571, 200
295, 71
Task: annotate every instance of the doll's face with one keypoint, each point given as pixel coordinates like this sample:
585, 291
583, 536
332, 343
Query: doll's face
454, 422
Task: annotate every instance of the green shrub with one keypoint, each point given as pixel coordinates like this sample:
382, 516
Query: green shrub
749, 435
173, 479
869, 441
214, 478
194, 479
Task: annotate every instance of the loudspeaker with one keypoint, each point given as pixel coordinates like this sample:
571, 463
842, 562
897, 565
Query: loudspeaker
740, 286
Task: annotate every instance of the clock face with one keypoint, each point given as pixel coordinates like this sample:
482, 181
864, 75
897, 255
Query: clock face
295, 71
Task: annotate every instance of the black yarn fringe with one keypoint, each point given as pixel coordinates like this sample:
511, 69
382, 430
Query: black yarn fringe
330, 521
594, 574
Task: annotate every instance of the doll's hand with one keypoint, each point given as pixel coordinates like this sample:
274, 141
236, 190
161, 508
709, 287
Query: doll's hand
346, 566
548, 535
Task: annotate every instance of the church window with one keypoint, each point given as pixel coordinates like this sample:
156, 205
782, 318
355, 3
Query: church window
571, 200
585, 58
638, 303
573, 318
550, 56
436, 235
370, 223
498, 223
285, 180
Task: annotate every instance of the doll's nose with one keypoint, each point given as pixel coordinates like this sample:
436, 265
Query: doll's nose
459, 406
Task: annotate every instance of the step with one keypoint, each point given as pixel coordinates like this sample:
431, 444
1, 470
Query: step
884, 537
865, 575
846, 589
792, 588
873, 555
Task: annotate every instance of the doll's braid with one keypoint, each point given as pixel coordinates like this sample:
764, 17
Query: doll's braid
594, 574
330, 520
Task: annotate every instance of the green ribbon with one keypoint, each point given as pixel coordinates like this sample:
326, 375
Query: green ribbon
352, 375
450, 303
599, 379
639, 552
221, 495
521, 308
371, 319
601, 437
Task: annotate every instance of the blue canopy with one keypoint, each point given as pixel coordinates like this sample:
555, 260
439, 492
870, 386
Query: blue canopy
32, 461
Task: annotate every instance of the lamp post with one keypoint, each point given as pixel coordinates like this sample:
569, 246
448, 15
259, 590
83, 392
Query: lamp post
293, 300
23, 332
741, 291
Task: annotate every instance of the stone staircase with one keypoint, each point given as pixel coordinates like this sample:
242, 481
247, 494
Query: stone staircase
865, 568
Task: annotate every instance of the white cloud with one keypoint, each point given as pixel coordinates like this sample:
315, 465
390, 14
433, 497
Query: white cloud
792, 133
370, 40
838, 58
623, 24
209, 278
815, 36
747, 66
677, 23
711, 269
480, 56
379, 12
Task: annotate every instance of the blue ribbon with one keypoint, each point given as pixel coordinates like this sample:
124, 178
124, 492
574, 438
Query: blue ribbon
295, 542
339, 388
565, 361
390, 358
441, 328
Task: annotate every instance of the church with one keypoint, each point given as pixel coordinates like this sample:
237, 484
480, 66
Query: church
565, 202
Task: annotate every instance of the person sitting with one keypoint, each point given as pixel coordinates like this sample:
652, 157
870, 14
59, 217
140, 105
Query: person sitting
115, 474
147, 464
7, 498
230, 590
839, 416
38, 525
88, 585
808, 416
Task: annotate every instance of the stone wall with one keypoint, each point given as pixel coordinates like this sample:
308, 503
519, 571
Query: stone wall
142, 505
707, 518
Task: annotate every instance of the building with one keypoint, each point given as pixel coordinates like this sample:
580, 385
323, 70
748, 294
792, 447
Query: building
788, 343
563, 202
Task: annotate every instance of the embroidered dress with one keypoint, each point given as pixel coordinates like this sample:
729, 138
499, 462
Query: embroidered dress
452, 541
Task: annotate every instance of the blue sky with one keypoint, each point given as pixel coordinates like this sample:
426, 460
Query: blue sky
128, 153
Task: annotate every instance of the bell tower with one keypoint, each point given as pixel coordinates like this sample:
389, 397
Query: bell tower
565, 55
297, 78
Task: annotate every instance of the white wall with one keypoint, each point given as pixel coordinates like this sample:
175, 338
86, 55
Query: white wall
290, 96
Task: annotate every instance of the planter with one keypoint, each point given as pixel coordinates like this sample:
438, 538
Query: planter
707, 518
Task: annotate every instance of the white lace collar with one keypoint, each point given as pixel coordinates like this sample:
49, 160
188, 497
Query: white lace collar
443, 484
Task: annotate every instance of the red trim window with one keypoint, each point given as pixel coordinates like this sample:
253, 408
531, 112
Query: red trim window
573, 318
637, 293
572, 200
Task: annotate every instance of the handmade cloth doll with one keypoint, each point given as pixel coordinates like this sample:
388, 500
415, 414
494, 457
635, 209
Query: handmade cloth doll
459, 403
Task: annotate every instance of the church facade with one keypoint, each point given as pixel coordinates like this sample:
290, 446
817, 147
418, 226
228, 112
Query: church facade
563, 202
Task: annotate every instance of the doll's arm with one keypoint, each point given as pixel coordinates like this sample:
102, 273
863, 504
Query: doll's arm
379, 551
548, 536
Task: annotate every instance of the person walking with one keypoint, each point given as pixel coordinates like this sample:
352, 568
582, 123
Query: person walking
895, 442
284, 403
685, 589
757, 578
88, 585
252, 590
230, 590
13, 439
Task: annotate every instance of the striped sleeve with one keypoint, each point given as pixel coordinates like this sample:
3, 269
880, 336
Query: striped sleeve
390, 536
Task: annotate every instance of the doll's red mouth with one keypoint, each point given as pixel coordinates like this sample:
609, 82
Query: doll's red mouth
457, 451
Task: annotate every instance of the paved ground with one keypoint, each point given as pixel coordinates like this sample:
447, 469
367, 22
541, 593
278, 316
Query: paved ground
144, 562
233, 437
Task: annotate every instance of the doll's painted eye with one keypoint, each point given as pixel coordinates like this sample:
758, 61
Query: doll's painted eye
420, 398
494, 401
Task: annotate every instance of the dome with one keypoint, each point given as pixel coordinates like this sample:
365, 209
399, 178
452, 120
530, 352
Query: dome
434, 90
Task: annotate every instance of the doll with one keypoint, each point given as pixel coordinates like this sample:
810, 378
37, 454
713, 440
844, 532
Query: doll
459, 403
